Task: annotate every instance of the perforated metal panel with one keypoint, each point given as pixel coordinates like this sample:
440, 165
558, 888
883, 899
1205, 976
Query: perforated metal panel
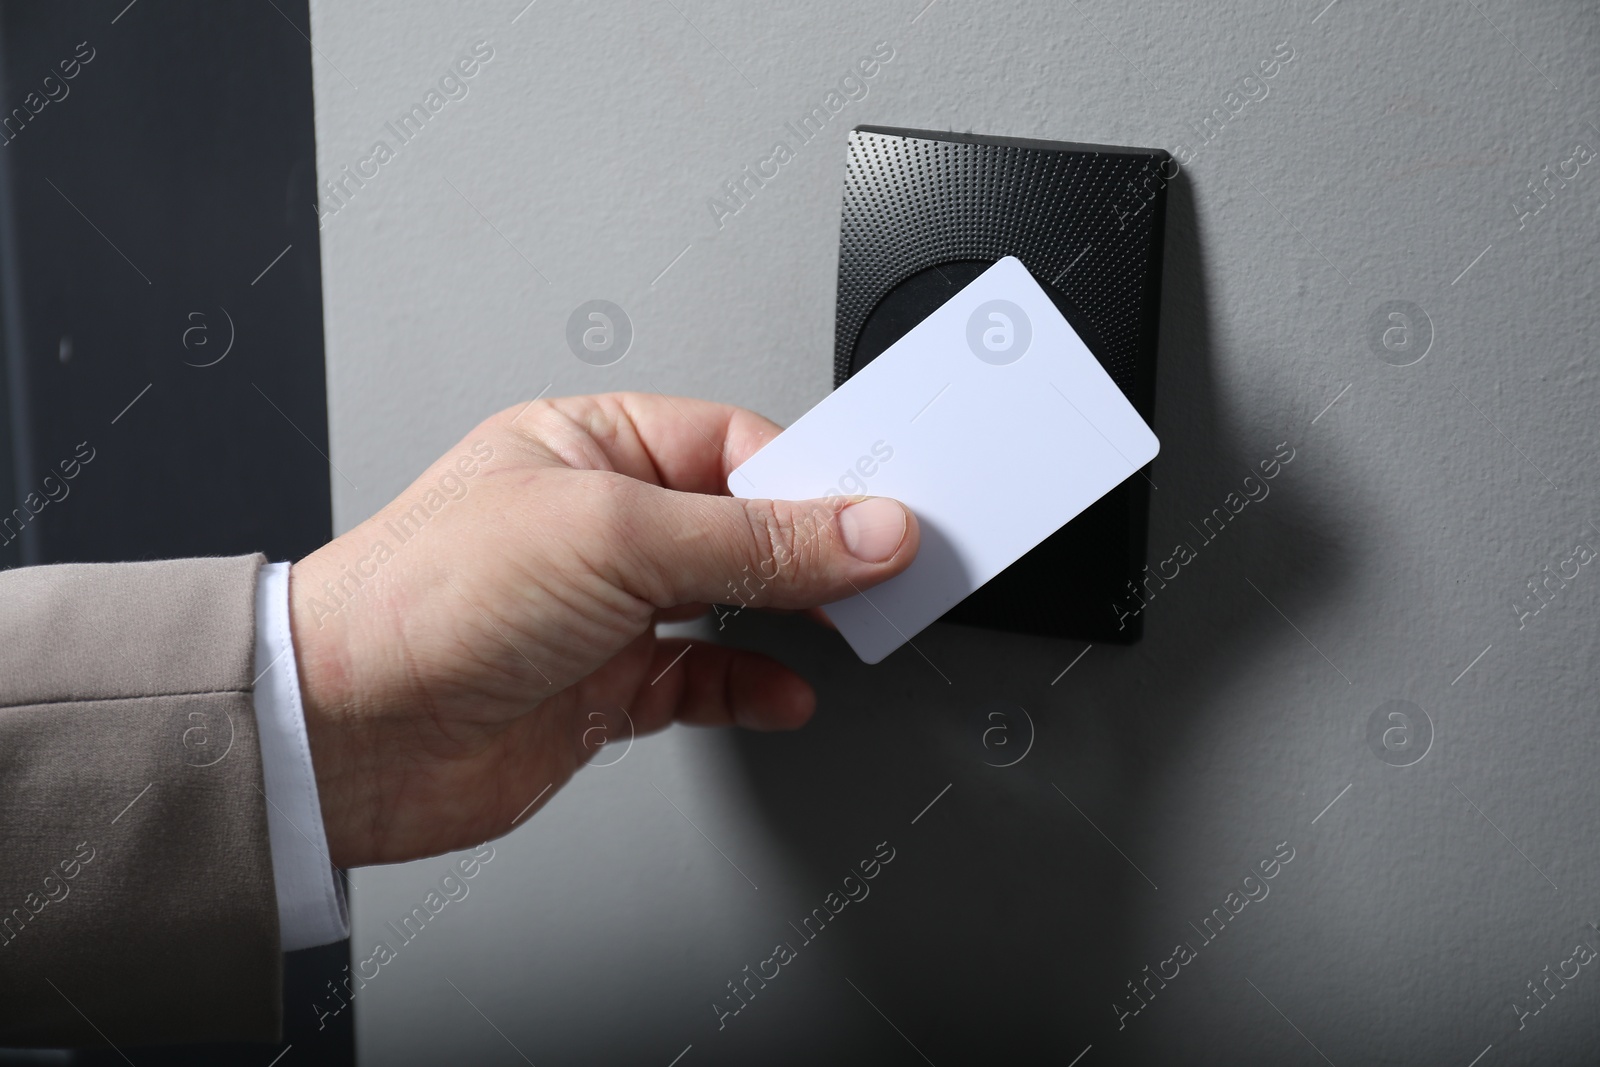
1083, 218
923, 214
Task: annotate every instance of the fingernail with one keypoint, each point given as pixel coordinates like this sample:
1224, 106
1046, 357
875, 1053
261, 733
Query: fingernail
873, 528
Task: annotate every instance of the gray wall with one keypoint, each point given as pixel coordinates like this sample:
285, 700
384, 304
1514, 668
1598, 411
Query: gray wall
1387, 157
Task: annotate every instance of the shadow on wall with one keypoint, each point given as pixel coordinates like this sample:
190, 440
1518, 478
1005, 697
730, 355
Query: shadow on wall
1009, 919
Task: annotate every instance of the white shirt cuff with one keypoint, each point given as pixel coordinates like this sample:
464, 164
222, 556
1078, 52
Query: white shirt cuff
311, 903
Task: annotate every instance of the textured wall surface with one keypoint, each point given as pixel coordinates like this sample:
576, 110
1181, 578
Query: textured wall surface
1430, 541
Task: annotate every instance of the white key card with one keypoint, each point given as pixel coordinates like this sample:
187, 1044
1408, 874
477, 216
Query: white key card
991, 420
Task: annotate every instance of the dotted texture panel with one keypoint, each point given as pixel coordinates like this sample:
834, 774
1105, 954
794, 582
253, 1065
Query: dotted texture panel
1087, 220
1080, 217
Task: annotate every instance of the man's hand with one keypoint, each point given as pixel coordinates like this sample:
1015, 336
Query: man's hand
456, 648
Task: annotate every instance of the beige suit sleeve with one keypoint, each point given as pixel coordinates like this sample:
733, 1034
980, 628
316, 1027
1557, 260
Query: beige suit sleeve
136, 892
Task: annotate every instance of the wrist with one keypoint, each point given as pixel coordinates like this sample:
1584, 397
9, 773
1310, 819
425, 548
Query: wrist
327, 697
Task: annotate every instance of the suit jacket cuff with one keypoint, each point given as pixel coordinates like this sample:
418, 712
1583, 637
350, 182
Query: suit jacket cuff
136, 893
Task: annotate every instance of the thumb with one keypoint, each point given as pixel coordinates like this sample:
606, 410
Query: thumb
773, 553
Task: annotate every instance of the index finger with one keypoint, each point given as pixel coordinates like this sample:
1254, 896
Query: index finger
679, 443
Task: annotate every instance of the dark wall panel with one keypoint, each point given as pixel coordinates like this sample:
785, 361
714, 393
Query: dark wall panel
160, 299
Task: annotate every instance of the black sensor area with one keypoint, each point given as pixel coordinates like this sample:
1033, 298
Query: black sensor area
924, 214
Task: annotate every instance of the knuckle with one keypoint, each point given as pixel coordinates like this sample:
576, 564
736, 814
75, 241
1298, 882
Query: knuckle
525, 416
770, 532
786, 545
